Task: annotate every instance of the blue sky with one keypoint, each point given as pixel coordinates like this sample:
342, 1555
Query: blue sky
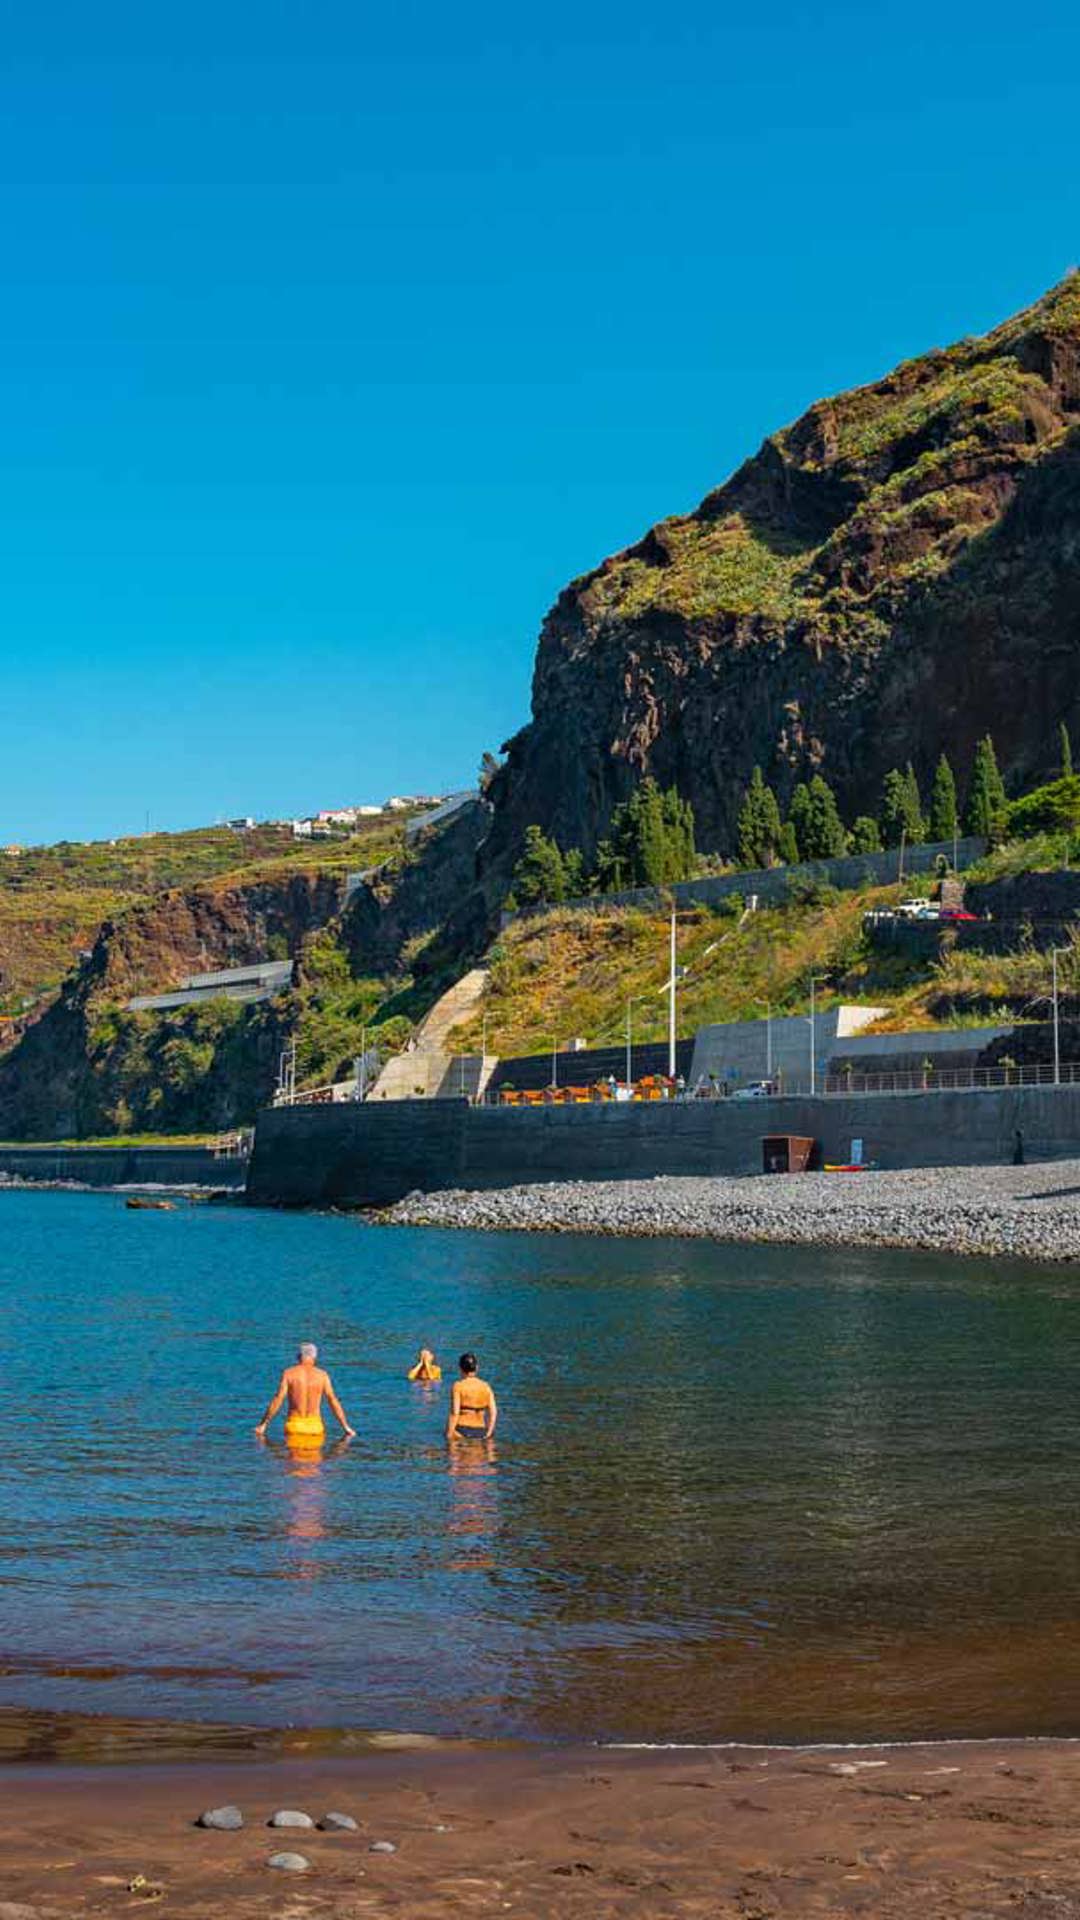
336, 339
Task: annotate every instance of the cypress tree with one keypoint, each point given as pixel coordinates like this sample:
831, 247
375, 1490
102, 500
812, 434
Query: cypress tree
539, 878
680, 853
943, 802
865, 837
894, 803
916, 825
787, 846
825, 836
575, 878
759, 824
798, 817
986, 805
1066, 752
652, 862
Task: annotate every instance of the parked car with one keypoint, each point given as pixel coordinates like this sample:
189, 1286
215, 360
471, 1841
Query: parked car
957, 913
756, 1090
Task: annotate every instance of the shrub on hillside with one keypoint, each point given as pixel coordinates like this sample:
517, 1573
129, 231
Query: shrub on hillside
1049, 809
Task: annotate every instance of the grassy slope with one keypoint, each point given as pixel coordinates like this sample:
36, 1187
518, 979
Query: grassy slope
904, 440
54, 899
571, 972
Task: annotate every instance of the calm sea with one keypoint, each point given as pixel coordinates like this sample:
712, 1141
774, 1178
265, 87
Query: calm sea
736, 1493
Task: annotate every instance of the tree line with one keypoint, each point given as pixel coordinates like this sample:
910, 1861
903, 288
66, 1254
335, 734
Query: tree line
650, 842
814, 830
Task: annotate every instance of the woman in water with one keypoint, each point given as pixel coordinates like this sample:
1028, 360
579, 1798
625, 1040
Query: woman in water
473, 1412
425, 1368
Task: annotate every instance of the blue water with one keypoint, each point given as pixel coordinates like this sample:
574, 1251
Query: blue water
735, 1492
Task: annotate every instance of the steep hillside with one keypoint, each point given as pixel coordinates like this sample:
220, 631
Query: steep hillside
571, 972
894, 575
367, 957
53, 900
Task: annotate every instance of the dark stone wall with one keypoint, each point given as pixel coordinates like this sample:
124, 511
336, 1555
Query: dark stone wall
124, 1166
374, 1154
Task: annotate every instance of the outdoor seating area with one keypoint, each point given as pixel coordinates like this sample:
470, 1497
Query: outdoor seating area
653, 1086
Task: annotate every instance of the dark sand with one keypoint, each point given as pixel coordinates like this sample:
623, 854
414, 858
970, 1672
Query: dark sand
923, 1831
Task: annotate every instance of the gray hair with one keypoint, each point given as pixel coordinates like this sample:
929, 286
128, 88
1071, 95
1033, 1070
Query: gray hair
309, 1351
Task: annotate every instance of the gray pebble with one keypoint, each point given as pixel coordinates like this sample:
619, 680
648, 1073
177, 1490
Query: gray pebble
222, 1819
289, 1817
965, 1210
382, 1846
338, 1823
289, 1862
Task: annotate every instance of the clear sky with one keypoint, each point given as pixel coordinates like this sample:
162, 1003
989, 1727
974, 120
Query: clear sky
336, 338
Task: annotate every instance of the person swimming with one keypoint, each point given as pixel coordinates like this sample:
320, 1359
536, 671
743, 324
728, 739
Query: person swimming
426, 1368
473, 1411
304, 1386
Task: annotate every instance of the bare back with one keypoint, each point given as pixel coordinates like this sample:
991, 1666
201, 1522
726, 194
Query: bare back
305, 1386
472, 1401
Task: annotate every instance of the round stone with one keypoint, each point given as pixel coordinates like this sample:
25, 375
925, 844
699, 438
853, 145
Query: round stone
338, 1823
382, 1846
222, 1819
289, 1862
290, 1817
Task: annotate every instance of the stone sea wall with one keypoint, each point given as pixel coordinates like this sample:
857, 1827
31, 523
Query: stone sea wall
372, 1155
122, 1166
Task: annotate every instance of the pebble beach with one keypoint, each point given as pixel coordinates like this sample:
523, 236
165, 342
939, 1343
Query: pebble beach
1029, 1213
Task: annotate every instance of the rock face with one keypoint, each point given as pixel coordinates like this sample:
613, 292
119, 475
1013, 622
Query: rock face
892, 576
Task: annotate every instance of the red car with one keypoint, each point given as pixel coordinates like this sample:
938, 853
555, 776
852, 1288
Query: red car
957, 913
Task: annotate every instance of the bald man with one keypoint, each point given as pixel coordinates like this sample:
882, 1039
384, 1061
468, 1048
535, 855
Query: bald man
303, 1387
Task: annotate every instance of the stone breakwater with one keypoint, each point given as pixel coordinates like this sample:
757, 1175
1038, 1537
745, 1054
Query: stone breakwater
1029, 1213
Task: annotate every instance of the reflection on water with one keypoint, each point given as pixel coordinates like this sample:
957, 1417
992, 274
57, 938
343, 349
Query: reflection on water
305, 1490
474, 1514
742, 1493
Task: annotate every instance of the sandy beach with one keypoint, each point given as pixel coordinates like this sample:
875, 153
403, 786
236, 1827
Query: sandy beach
1030, 1212
750, 1834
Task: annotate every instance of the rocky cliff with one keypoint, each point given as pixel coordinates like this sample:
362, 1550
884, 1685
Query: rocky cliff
892, 576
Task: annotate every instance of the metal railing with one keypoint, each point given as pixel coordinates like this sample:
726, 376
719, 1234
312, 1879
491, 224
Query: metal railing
952, 1079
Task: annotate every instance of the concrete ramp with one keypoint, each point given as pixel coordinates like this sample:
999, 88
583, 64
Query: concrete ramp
427, 1070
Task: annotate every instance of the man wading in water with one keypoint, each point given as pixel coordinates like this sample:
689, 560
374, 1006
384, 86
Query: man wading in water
303, 1387
473, 1412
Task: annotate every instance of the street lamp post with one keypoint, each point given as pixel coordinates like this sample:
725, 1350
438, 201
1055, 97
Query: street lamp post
1057, 1024
768, 1036
813, 1037
671, 1005
555, 1061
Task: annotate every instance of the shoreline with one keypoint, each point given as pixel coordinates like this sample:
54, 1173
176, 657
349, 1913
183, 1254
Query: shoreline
1028, 1213
750, 1832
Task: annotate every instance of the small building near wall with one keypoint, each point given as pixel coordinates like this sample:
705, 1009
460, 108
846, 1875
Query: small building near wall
259, 982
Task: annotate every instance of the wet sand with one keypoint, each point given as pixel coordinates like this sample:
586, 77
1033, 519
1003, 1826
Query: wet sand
746, 1834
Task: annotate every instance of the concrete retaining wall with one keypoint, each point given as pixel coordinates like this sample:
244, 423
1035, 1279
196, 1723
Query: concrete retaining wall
124, 1166
371, 1156
775, 883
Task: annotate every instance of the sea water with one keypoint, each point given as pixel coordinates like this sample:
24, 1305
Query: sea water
735, 1493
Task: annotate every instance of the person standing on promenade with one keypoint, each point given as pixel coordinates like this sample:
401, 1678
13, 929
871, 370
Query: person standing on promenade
473, 1411
303, 1386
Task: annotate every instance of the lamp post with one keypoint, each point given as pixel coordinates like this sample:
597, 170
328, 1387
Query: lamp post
631, 1002
768, 1036
1054, 951
555, 1061
671, 1004
813, 1037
